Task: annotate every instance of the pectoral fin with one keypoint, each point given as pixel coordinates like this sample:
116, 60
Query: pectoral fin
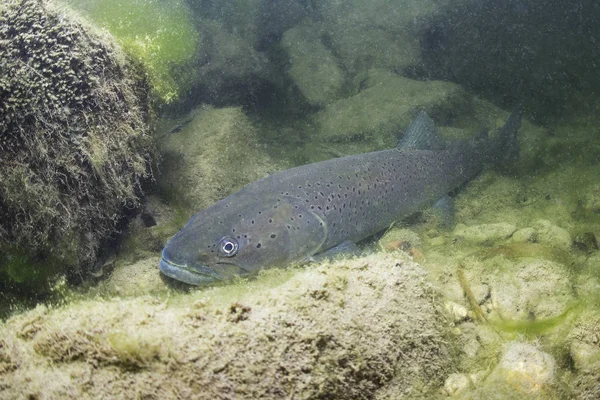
346, 248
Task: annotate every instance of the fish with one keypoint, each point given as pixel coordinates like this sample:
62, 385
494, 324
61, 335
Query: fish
295, 214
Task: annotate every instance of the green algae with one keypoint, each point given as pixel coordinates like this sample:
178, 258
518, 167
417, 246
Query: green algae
20, 269
538, 327
159, 34
516, 251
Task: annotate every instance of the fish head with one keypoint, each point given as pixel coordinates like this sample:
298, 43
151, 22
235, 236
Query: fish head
240, 236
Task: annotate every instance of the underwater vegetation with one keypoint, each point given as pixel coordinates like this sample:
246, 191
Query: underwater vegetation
158, 34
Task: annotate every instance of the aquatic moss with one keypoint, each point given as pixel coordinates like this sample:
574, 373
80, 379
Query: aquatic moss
18, 267
74, 142
159, 34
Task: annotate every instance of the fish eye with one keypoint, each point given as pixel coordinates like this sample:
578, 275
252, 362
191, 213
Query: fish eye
228, 247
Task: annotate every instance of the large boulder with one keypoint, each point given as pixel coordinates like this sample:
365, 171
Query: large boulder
376, 34
385, 106
338, 330
74, 143
213, 154
313, 68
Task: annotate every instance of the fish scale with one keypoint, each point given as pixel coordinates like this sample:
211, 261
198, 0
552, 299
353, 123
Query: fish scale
294, 214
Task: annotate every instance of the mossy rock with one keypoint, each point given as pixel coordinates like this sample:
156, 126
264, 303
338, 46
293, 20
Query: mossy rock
337, 330
74, 142
216, 152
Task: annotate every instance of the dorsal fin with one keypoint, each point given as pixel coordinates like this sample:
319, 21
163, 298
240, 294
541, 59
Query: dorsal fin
422, 134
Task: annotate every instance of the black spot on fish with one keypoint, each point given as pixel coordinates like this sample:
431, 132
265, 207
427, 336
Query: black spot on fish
273, 236
258, 246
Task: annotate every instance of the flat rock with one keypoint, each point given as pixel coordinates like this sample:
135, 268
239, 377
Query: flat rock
484, 233
386, 107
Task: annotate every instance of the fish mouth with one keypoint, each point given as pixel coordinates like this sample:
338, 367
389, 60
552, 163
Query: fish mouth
198, 275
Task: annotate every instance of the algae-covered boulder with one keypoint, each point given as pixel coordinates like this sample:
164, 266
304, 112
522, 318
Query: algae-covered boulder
339, 330
376, 34
74, 141
386, 106
215, 153
313, 68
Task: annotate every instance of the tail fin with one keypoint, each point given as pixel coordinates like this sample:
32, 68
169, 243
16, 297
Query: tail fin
508, 135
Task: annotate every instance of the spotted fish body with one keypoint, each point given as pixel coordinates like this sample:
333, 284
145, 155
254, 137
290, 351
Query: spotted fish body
294, 214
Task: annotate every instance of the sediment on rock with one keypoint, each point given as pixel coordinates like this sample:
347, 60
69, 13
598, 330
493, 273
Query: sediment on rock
339, 330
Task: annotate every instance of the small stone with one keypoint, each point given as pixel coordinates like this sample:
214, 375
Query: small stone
484, 232
524, 235
437, 241
400, 239
552, 235
585, 355
456, 384
458, 311
526, 367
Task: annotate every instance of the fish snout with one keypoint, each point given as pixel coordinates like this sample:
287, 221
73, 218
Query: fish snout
193, 274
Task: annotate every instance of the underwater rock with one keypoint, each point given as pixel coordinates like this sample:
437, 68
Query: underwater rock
524, 235
523, 369
136, 279
527, 366
337, 330
584, 342
484, 233
313, 68
214, 154
228, 69
400, 239
456, 384
386, 107
552, 235
529, 289
584, 349
74, 141
375, 34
